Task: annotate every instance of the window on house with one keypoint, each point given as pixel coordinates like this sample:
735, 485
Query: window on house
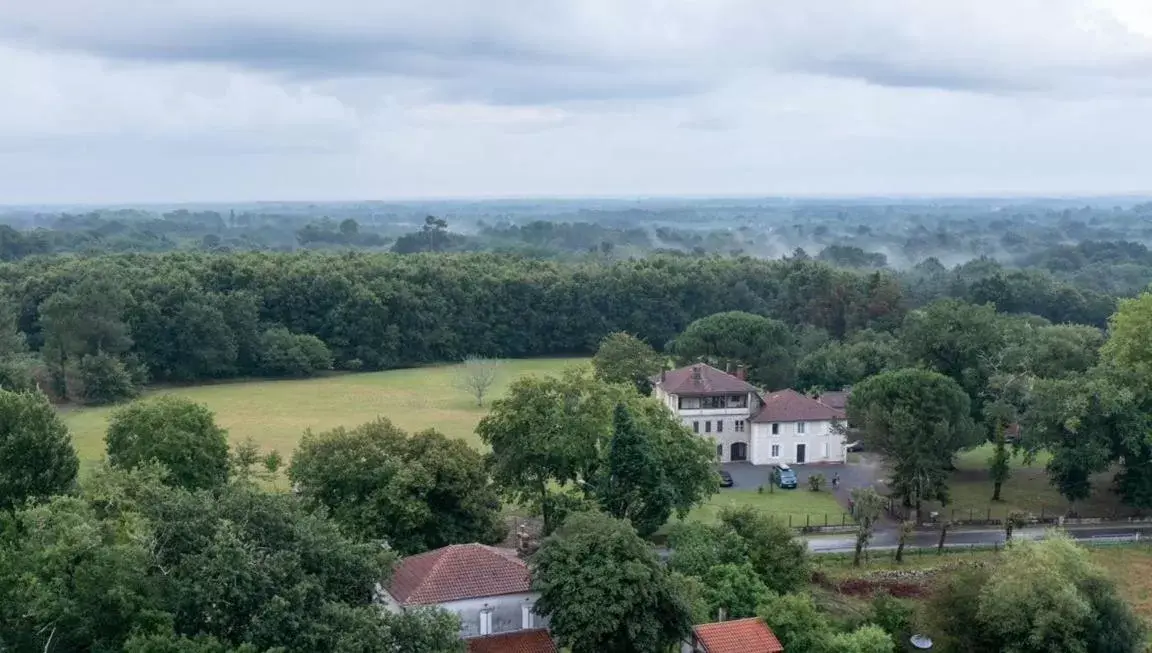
527, 618
695, 427
800, 427
775, 451
707, 426
775, 428
486, 621
738, 401
739, 426
719, 426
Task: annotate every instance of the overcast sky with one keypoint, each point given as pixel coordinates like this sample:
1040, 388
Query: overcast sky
189, 100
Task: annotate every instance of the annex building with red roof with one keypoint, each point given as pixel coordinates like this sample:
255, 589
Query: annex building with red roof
746, 424
487, 587
736, 636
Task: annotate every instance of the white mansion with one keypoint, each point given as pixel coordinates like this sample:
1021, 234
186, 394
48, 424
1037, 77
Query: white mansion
779, 427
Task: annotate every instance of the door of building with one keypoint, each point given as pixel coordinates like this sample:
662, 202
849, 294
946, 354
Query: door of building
739, 451
801, 453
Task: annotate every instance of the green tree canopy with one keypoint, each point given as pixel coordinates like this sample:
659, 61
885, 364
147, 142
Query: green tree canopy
417, 492
1040, 596
624, 358
766, 346
1085, 423
132, 564
918, 420
960, 340
1128, 351
175, 432
557, 432
603, 589
633, 485
839, 364
36, 455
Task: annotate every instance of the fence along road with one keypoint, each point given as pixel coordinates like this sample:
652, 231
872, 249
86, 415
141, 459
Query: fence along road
984, 537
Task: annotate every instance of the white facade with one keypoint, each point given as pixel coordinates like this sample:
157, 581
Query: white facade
729, 427
797, 443
490, 615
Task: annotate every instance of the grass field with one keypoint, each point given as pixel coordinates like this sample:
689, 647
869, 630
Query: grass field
1027, 490
276, 413
798, 507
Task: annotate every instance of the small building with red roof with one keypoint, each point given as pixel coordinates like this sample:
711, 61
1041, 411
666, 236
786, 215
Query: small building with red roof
793, 428
487, 587
522, 641
736, 636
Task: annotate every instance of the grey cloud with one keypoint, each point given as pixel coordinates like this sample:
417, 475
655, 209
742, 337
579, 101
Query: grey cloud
570, 50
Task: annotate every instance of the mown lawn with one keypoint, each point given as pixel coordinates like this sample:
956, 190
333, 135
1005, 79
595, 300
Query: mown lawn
798, 507
276, 413
1027, 490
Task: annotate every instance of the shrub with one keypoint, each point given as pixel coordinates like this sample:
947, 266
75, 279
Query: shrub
104, 379
283, 353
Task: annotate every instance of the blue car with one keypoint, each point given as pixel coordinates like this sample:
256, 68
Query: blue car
785, 477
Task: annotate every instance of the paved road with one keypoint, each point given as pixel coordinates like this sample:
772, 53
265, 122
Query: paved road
961, 538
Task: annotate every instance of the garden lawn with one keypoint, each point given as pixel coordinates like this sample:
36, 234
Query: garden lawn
276, 413
797, 507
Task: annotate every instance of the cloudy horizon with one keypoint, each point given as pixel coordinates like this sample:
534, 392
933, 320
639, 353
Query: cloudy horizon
108, 101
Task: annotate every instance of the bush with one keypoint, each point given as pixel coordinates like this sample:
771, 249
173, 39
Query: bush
815, 482
104, 379
17, 374
283, 353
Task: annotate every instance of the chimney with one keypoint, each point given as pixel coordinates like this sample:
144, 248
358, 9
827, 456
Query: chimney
728, 367
740, 372
696, 372
663, 375
722, 615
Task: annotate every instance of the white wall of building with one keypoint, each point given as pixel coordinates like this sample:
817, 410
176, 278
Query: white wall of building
822, 444
724, 426
508, 613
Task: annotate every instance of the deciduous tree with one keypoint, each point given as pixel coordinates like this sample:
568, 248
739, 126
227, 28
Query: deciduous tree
557, 431
175, 432
36, 455
417, 492
867, 507
477, 375
603, 589
624, 358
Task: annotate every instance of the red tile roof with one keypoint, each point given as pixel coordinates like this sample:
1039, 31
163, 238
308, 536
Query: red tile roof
738, 636
460, 571
837, 399
521, 641
701, 380
791, 406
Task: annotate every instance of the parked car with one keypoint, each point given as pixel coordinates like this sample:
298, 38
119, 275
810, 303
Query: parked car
725, 479
856, 447
785, 477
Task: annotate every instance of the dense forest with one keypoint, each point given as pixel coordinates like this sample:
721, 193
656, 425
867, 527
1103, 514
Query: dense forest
99, 302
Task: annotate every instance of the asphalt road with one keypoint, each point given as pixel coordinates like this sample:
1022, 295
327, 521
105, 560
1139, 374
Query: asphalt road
959, 538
